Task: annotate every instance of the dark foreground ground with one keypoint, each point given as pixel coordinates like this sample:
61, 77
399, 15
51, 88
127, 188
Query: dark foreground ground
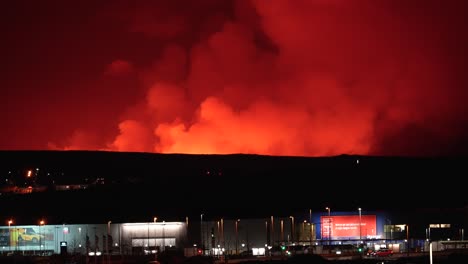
454, 258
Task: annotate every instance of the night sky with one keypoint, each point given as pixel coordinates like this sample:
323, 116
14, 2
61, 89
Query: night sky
276, 77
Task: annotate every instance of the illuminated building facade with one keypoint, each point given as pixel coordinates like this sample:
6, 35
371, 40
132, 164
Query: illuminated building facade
119, 238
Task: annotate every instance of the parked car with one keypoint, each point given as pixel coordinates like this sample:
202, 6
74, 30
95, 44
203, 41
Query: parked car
383, 252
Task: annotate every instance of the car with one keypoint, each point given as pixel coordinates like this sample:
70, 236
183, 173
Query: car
383, 252
28, 235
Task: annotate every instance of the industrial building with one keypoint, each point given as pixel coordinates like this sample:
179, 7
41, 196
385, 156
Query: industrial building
325, 232
93, 239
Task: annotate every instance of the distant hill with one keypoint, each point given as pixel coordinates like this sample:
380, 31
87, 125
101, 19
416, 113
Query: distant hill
141, 185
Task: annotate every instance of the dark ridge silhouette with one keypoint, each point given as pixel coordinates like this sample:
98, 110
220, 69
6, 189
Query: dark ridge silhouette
138, 186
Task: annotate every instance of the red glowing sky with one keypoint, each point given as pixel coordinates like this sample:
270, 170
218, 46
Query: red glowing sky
279, 77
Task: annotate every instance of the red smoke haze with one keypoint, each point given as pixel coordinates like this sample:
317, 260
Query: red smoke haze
282, 77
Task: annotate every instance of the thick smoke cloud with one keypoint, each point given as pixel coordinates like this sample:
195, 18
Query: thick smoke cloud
302, 77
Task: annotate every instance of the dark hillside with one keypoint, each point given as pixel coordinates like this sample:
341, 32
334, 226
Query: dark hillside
140, 185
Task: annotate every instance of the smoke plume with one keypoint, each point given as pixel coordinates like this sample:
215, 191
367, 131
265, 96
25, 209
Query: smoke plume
302, 77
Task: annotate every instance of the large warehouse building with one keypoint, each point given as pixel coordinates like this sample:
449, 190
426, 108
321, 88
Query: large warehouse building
324, 232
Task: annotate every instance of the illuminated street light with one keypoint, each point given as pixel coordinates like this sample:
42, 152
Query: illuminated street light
222, 232
237, 235
201, 233
107, 241
218, 232
292, 228
164, 236
360, 223
282, 231
41, 223
303, 225
329, 224
272, 230
9, 232
407, 240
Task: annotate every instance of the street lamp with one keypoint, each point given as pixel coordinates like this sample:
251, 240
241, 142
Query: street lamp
292, 228
218, 232
9, 233
201, 233
155, 219
329, 224
282, 231
41, 223
303, 227
311, 234
237, 235
164, 237
272, 231
107, 241
360, 224
407, 240
222, 232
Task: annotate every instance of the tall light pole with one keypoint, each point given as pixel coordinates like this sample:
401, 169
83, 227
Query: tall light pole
282, 231
329, 224
155, 219
164, 236
222, 232
41, 224
237, 236
311, 234
303, 229
407, 240
107, 241
310, 221
187, 228
218, 233
360, 224
292, 228
9, 233
272, 231
147, 236
201, 234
